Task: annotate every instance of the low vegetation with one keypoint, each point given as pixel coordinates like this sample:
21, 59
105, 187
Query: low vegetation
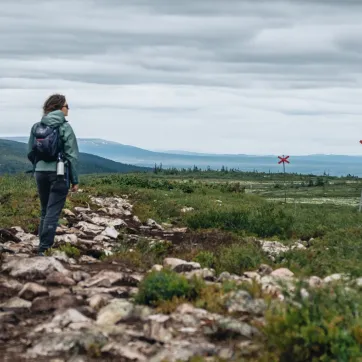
166, 285
226, 217
326, 326
69, 250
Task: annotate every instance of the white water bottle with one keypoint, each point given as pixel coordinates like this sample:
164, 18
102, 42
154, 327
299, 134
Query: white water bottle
60, 166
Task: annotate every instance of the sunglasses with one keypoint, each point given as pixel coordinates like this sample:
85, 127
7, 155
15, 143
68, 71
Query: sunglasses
66, 106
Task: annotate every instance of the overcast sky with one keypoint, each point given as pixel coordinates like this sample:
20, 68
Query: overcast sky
220, 76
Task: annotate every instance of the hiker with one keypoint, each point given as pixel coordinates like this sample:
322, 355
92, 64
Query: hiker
53, 151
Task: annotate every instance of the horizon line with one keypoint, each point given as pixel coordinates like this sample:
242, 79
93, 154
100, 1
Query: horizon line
177, 152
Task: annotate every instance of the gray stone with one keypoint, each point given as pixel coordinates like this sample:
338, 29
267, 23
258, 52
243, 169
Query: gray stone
82, 209
183, 350
206, 274
89, 228
273, 248
67, 238
226, 276
67, 212
142, 312
111, 232
315, 282
118, 292
230, 326
156, 268
17, 248
335, 277
58, 292
56, 278
248, 348
33, 268
32, 290
298, 245
98, 301
179, 265
187, 209
158, 328
106, 221
112, 202
9, 286
15, 303
241, 302
137, 220
88, 259
42, 304
101, 238
251, 276
27, 238
304, 293
226, 354
124, 352
8, 317
153, 224
51, 345
187, 308
282, 273
70, 318
61, 256
80, 275
108, 278
116, 311
265, 269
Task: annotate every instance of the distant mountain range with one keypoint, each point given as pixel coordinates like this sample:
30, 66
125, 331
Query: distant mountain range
13, 159
336, 165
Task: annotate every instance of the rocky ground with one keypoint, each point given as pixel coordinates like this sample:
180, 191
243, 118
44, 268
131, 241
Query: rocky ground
56, 308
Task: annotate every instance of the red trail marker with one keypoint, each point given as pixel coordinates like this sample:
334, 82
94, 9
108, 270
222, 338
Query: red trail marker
284, 159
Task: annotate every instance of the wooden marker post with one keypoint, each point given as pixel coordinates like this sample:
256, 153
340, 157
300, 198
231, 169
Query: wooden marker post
360, 200
283, 160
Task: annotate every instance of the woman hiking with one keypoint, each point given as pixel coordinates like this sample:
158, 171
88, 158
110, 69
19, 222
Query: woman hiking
53, 151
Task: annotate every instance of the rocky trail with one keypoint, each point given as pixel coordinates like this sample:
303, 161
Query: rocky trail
56, 308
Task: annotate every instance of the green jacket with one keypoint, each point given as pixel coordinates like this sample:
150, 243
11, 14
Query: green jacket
71, 152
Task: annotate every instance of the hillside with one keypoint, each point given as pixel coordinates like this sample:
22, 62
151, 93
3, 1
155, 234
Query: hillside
336, 165
13, 159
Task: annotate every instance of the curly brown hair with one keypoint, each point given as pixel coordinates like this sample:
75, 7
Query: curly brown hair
53, 103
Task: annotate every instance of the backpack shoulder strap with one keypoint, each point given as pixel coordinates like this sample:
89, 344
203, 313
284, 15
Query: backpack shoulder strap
35, 126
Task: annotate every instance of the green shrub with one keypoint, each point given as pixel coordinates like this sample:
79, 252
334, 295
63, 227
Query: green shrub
262, 220
186, 188
223, 219
69, 250
158, 248
142, 254
232, 187
238, 258
325, 327
206, 259
271, 220
166, 285
142, 181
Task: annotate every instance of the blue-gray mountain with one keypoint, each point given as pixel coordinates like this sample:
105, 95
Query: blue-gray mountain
335, 165
13, 159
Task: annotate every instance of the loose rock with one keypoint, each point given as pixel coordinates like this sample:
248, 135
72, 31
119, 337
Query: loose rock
32, 290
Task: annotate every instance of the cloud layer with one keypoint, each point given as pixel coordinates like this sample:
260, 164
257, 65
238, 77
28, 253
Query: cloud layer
232, 76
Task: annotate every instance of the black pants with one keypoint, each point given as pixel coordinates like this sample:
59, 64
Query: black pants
52, 193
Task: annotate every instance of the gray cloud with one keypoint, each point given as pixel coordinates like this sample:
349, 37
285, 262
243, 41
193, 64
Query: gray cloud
219, 76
